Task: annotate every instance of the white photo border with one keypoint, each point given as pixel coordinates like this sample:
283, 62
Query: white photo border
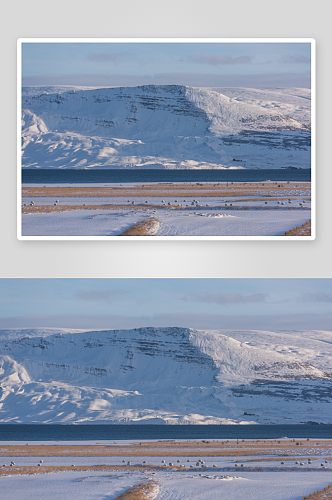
312, 42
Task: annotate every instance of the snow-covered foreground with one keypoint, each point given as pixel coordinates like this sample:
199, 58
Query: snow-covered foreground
103, 473
169, 223
238, 223
101, 486
67, 485
238, 210
165, 376
252, 486
80, 223
165, 126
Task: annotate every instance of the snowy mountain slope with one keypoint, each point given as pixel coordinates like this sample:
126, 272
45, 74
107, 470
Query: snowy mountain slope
18, 333
293, 102
165, 375
52, 89
167, 126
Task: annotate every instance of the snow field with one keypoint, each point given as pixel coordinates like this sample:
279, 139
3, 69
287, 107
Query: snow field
81, 223
249, 486
236, 223
100, 486
68, 485
171, 222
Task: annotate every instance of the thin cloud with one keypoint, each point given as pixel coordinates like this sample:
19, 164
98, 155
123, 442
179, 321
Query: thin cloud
101, 296
217, 60
229, 298
105, 58
316, 297
295, 59
220, 60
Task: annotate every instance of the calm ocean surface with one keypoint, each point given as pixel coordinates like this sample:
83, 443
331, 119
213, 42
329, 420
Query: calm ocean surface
20, 432
52, 176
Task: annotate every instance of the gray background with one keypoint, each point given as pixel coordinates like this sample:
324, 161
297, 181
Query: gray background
159, 18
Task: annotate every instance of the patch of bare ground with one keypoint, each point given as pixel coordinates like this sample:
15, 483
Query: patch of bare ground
45, 469
180, 448
170, 190
143, 228
140, 492
304, 230
49, 469
325, 494
46, 209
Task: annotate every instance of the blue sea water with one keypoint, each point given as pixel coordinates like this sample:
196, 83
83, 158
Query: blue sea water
53, 176
21, 432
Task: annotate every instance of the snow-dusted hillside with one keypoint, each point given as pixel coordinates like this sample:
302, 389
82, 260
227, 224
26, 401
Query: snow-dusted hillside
52, 89
165, 375
168, 126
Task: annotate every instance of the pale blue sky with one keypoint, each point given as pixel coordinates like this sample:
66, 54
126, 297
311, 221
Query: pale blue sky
192, 64
198, 303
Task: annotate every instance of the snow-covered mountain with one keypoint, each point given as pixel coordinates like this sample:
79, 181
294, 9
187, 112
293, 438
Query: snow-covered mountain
165, 375
165, 126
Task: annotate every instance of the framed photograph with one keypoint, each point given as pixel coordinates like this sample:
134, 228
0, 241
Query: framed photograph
166, 139
162, 388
